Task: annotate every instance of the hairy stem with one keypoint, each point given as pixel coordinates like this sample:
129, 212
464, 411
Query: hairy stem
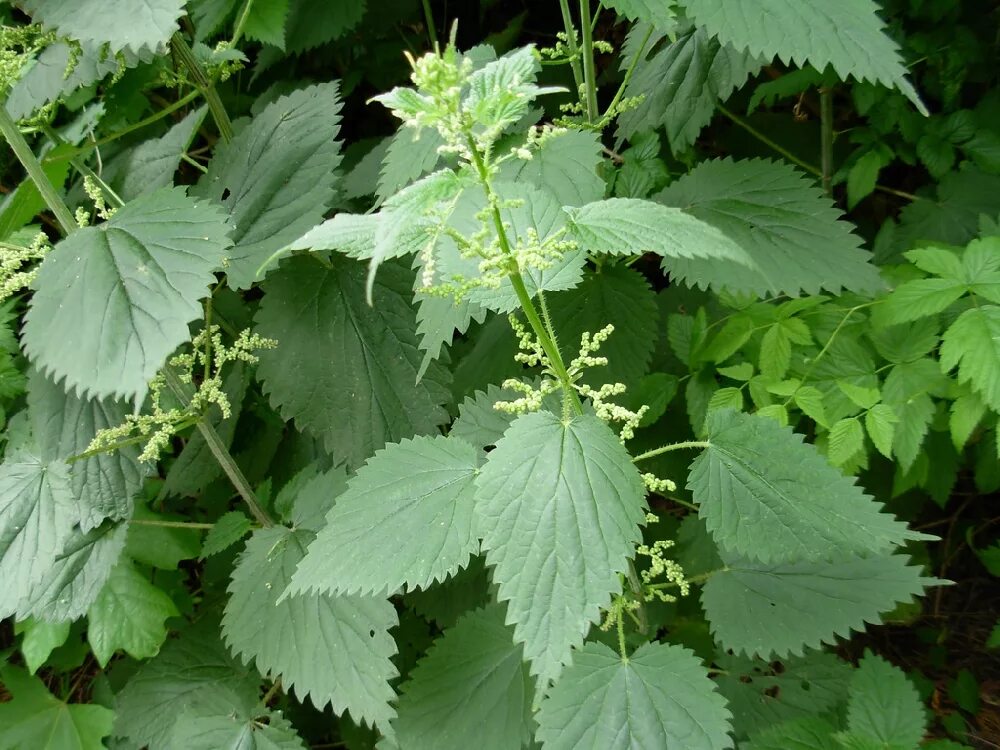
826, 138
574, 49
24, 154
205, 85
193, 526
218, 449
589, 76
686, 445
546, 341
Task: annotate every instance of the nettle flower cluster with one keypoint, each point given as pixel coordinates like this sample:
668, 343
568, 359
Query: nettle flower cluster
208, 355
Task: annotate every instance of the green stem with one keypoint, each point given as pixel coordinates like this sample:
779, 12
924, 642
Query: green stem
687, 445
241, 22
621, 637
826, 138
574, 50
218, 449
517, 281
768, 142
205, 85
31, 165
200, 167
172, 524
429, 20
700, 578
628, 76
589, 76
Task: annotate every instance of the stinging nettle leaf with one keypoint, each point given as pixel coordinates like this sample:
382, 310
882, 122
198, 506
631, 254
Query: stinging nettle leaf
425, 483
472, 689
781, 219
884, 707
558, 505
629, 226
847, 35
136, 25
276, 178
660, 696
227, 531
113, 301
565, 166
359, 363
767, 495
333, 649
780, 609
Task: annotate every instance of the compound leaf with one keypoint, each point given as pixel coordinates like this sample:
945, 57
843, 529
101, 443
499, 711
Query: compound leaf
767, 495
846, 35
781, 609
972, 343
276, 178
792, 232
344, 371
128, 614
333, 649
114, 300
37, 719
558, 505
471, 690
425, 483
660, 697
136, 25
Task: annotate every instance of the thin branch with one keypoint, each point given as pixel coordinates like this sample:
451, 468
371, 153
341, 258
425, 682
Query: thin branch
205, 85
686, 445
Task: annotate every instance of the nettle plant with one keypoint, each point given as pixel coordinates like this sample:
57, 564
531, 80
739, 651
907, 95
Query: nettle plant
525, 518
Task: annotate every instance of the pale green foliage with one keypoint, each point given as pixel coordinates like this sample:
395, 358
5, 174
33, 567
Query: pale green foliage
660, 696
114, 300
564, 165
39, 639
226, 532
128, 614
360, 362
660, 13
37, 719
331, 649
136, 25
555, 576
848, 35
760, 609
208, 728
884, 708
276, 178
785, 504
781, 219
425, 483
800, 734
972, 344
472, 689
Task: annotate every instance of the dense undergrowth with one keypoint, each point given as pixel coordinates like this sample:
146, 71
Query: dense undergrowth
498, 374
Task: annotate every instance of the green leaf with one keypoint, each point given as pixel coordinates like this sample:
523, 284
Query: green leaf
20, 207
846, 439
208, 728
781, 609
729, 340
114, 300
862, 396
425, 483
966, 412
883, 706
333, 649
763, 693
471, 690
628, 226
619, 296
781, 219
137, 25
726, 398
478, 422
46, 81
38, 720
881, 423
972, 344
498, 94
775, 352
565, 166
907, 390
276, 178
660, 13
76, 578
919, 299
161, 546
801, 734
411, 155
350, 234
129, 615
556, 577
310, 496
227, 531
810, 401
37, 515
660, 696
360, 362
848, 36
315, 22
863, 176
63, 425
784, 504
266, 22
680, 81
39, 640
193, 670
